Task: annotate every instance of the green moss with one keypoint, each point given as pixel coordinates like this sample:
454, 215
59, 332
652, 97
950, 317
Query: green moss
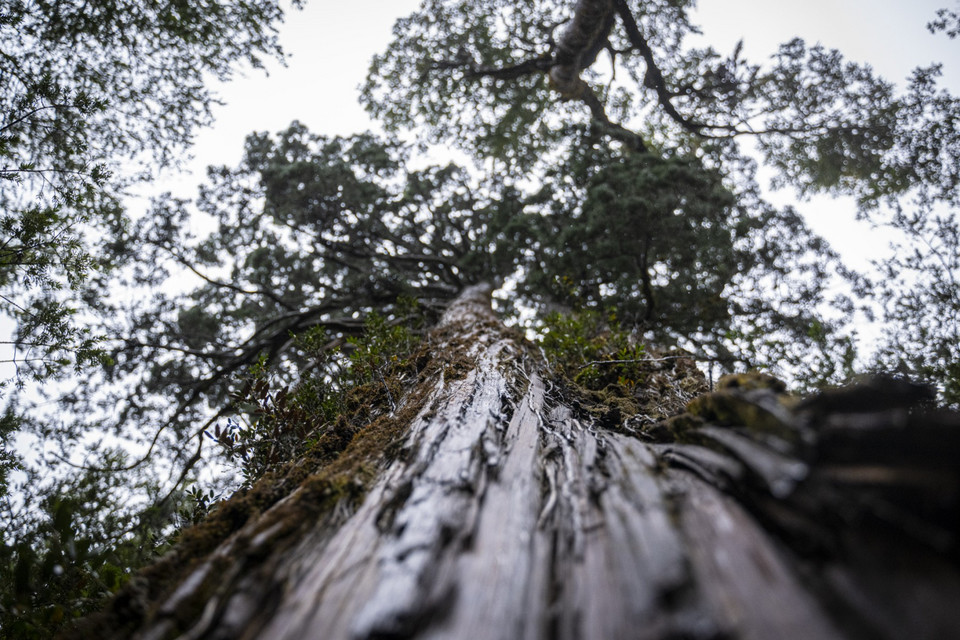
755, 400
751, 380
616, 378
680, 428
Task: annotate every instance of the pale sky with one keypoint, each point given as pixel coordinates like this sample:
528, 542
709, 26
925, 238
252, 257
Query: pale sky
890, 34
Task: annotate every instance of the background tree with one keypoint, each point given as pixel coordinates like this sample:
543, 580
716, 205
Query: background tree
91, 99
94, 97
921, 297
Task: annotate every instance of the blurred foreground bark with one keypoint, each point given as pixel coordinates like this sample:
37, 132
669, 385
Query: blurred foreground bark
490, 504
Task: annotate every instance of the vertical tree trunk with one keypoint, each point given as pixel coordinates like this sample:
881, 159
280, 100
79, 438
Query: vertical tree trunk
490, 506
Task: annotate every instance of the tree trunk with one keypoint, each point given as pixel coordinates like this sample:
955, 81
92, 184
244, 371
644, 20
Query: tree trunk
491, 505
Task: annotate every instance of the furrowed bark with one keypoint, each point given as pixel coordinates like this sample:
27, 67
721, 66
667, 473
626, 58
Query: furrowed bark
492, 506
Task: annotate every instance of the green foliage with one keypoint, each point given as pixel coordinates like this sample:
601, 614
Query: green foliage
286, 421
471, 74
283, 421
434, 76
693, 263
312, 234
919, 287
489, 117
947, 21
609, 372
65, 551
93, 97
673, 252
384, 347
84, 90
592, 350
196, 505
9, 460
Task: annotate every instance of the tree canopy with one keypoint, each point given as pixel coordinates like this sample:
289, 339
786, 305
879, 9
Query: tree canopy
94, 97
530, 86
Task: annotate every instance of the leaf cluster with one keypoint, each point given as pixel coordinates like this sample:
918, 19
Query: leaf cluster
919, 288
69, 548
363, 377
93, 96
592, 350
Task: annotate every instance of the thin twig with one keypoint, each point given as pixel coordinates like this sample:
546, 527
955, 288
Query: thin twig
393, 405
662, 359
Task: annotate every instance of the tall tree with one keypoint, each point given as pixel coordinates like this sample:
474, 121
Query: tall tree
473, 484
315, 233
490, 502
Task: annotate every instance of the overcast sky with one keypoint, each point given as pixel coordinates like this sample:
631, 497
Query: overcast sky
331, 44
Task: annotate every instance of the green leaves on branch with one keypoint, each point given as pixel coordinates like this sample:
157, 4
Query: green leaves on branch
473, 74
310, 235
353, 381
592, 351
93, 96
684, 260
947, 21
919, 288
655, 236
862, 138
432, 77
69, 548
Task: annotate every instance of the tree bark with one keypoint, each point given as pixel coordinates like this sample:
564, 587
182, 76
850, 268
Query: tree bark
491, 505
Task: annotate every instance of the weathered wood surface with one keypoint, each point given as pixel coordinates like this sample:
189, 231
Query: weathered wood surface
507, 514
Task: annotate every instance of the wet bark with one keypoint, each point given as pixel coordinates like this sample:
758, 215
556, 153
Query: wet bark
499, 508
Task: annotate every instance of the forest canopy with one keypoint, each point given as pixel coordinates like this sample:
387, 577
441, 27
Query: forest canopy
606, 189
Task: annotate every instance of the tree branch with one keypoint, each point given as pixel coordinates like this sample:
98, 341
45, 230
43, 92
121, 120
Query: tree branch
579, 45
615, 130
653, 79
